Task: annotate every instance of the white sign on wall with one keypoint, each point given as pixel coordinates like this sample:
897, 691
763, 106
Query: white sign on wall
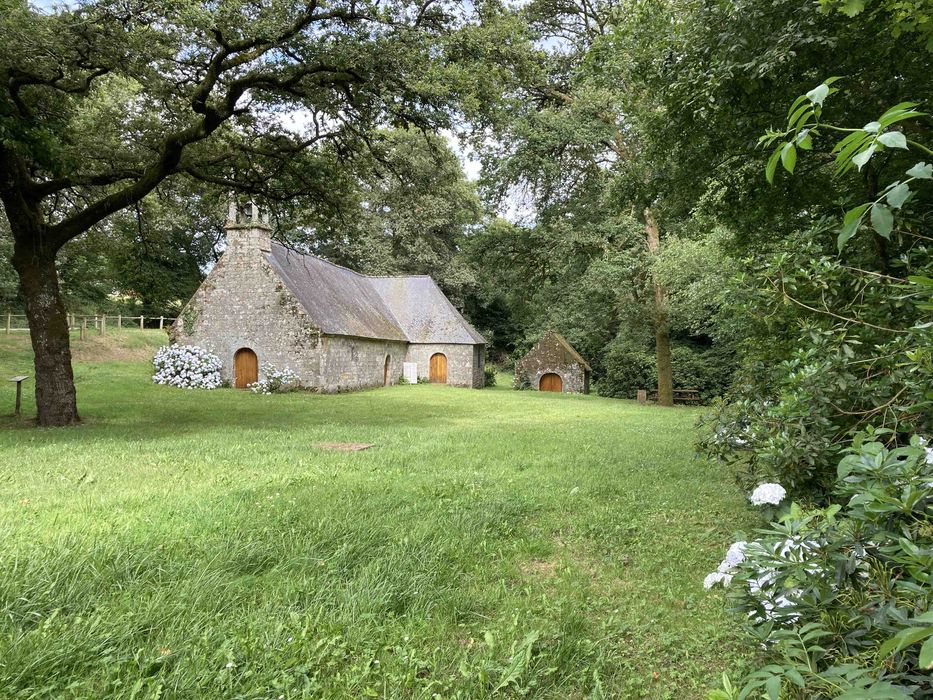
410, 372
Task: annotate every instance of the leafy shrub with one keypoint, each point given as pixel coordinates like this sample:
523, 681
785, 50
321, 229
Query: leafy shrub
186, 367
707, 369
710, 370
489, 375
840, 596
275, 381
625, 371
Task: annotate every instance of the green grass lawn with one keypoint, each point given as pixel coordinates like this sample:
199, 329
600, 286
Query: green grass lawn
187, 544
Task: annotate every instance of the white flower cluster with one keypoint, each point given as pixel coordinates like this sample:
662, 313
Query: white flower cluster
723, 574
187, 367
768, 494
275, 381
925, 444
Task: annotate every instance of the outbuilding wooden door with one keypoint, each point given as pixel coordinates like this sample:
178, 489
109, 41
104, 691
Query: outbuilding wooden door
551, 382
438, 370
245, 368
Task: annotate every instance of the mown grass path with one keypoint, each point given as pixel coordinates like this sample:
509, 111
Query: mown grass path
492, 544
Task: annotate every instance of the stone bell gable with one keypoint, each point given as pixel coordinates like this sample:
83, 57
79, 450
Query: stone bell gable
553, 365
265, 303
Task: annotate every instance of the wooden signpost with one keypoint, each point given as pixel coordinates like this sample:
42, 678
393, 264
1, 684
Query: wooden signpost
19, 392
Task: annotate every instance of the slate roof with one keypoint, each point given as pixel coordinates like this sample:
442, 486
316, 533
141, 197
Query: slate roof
555, 338
343, 302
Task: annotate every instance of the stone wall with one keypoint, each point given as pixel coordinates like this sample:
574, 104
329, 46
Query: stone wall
462, 369
573, 377
358, 363
243, 304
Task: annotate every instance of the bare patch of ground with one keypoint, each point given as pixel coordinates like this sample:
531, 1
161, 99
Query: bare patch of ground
342, 446
539, 568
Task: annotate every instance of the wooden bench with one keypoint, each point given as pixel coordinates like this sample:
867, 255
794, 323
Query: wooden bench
688, 396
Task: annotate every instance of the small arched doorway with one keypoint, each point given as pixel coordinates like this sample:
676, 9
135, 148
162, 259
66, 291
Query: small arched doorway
551, 382
245, 368
385, 372
438, 368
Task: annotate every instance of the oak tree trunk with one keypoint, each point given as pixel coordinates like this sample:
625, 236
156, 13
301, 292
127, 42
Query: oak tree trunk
662, 338
48, 329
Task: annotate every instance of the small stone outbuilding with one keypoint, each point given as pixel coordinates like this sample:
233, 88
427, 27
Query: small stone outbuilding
553, 365
266, 304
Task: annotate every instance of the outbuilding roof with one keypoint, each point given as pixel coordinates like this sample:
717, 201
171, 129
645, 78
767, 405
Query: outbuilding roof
342, 302
552, 340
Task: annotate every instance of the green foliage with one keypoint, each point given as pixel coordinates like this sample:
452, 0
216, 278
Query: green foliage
840, 596
489, 374
830, 347
855, 150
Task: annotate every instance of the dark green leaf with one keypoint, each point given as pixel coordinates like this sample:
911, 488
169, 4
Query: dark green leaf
773, 686
850, 224
897, 195
893, 139
882, 220
862, 157
804, 141
926, 654
922, 171
772, 164
789, 157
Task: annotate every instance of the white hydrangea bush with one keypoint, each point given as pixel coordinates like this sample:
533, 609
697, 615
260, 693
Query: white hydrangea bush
275, 381
186, 367
768, 495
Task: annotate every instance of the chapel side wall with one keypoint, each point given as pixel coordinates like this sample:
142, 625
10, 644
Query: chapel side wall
358, 363
461, 368
243, 304
479, 366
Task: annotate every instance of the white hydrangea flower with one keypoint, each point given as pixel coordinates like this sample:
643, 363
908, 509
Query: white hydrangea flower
714, 578
735, 554
768, 494
186, 367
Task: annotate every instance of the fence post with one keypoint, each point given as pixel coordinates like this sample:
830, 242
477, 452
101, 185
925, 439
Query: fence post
119, 322
161, 321
83, 328
141, 317
9, 321
103, 324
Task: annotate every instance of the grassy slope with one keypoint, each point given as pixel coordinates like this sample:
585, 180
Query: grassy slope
194, 544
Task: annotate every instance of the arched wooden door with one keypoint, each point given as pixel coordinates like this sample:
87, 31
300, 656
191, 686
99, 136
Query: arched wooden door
385, 372
551, 382
438, 368
245, 368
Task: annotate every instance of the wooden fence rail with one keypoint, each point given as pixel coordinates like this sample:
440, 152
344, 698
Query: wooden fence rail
99, 323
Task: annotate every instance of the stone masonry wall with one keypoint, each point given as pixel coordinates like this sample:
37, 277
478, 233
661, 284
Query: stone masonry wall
461, 368
572, 377
243, 304
358, 363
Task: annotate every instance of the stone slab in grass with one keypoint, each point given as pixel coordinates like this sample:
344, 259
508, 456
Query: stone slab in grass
343, 446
